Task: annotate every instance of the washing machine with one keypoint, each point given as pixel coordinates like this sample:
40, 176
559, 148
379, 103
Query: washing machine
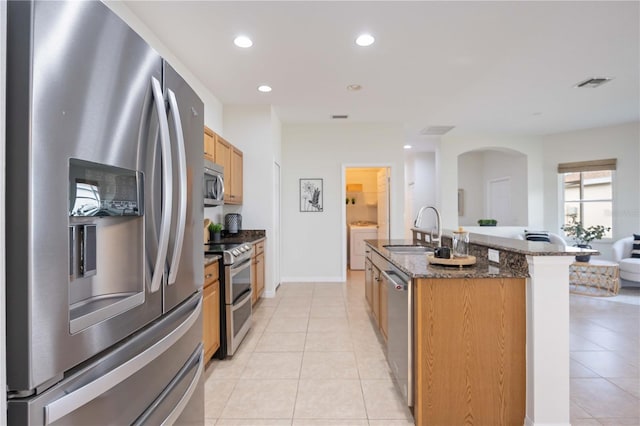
359, 232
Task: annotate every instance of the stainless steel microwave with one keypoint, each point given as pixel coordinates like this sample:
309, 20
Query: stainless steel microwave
213, 187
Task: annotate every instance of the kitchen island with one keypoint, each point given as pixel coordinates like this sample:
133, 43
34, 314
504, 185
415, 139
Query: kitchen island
490, 340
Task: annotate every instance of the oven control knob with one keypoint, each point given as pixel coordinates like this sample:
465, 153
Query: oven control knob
234, 252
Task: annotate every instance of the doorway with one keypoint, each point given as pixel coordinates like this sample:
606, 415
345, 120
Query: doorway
367, 210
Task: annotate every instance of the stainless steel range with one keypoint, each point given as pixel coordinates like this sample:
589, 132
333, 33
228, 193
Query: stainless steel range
235, 297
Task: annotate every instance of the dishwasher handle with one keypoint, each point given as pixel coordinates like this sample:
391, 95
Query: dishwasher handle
394, 283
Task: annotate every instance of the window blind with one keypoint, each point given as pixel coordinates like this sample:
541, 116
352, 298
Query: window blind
587, 166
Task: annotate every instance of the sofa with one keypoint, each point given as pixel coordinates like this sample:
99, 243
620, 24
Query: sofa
629, 266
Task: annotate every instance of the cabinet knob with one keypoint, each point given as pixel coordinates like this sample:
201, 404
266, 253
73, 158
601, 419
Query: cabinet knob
208, 275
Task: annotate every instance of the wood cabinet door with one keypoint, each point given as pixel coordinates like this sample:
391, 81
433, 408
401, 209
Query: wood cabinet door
376, 294
215, 318
368, 282
207, 321
209, 145
259, 274
236, 176
223, 157
254, 279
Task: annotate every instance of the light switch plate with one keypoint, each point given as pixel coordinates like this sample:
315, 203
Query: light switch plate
493, 255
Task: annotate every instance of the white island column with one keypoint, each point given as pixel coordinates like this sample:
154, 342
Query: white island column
548, 341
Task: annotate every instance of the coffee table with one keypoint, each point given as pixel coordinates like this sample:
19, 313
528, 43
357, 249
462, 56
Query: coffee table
594, 278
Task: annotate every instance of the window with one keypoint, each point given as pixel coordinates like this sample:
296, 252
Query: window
587, 189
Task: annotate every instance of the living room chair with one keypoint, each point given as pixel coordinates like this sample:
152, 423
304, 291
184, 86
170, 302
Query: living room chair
629, 266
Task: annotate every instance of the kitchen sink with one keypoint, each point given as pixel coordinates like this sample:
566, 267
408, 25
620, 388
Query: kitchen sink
408, 249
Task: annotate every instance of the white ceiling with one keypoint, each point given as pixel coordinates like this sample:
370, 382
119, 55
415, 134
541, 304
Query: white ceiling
499, 67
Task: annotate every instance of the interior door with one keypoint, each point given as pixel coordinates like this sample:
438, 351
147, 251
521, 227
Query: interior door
384, 231
499, 203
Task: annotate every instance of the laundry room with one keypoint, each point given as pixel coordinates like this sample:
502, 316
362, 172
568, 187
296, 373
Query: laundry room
367, 212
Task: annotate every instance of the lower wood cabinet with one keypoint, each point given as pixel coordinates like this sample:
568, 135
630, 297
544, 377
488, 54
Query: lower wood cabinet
211, 310
257, 274
368, 282
375, 290
469, 351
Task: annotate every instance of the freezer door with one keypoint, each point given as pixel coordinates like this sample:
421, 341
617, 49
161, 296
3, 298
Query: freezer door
151, 378
79, 87
185, 256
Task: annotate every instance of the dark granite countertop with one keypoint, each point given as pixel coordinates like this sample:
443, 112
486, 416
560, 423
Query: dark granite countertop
416, 265
531, 248
250, 236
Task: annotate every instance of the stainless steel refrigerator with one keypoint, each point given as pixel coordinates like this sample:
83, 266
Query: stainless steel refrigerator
104, 216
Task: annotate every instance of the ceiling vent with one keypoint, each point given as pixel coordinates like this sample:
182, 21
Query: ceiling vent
593, 82
436, 130
339, 117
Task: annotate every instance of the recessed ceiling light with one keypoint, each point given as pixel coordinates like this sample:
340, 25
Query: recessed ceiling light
354, 87
243, 41
264, 88
408, 147
365, 40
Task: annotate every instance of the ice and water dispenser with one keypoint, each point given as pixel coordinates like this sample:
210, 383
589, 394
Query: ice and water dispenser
106, 242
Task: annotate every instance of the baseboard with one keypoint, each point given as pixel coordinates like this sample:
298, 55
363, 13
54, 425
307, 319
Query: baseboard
305, 280
529, 422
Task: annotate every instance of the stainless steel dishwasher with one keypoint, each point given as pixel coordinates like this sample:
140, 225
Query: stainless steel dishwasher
400, 329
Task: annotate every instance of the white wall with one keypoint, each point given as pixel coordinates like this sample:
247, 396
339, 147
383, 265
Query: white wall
314, 244
453, 144
621, 142
255, 130
212, 106
477, 168
471, 180
3, 346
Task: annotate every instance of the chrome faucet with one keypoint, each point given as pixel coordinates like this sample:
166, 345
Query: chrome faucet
416, 224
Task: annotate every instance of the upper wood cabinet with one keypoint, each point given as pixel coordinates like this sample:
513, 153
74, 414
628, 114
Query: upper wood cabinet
235, 186
221, 152
209, 144
223, 157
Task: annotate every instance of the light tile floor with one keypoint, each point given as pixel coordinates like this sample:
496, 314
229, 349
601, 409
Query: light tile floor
605, 359
313, 358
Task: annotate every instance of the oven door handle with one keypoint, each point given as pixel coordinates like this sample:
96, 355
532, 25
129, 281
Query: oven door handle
236, 268
237, 301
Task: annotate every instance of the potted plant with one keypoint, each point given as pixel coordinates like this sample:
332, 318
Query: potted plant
583, 236
487, 222
214, 232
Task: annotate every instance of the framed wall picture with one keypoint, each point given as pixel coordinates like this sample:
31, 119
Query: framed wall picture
310, 195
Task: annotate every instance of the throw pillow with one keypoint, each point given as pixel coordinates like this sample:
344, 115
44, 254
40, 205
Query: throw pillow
537, 236
635, 250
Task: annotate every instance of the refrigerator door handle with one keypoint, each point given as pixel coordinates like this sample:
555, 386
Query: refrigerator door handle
167, 196
182, 194
76, 399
